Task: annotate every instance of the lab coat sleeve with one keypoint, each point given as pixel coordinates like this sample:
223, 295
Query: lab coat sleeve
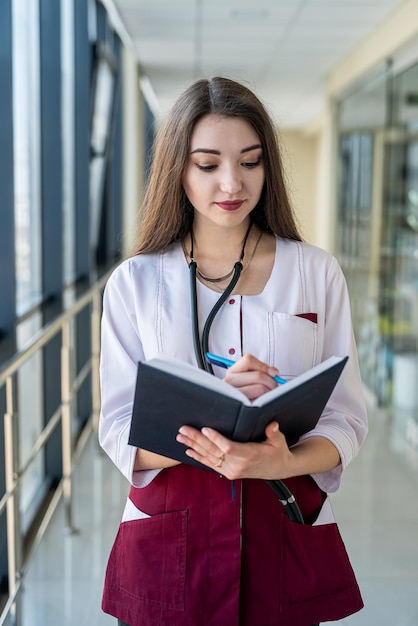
344, 420
121, 350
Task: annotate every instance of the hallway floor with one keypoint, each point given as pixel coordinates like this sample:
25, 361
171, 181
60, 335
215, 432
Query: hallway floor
376, 507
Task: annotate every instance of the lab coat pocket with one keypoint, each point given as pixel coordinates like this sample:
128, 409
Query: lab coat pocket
150, 559
293, 343
316, 562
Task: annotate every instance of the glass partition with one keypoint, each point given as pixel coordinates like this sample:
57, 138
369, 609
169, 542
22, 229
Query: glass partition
399, 277
377, 238
361, 117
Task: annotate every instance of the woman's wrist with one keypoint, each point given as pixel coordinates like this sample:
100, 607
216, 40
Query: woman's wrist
313, 456
145, 460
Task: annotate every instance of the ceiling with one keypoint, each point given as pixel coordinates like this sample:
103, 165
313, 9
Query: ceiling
283, 49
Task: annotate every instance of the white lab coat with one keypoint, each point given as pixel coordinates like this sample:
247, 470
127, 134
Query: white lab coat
147, 313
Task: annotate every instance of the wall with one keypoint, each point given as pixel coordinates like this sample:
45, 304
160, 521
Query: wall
300, 157
132, 149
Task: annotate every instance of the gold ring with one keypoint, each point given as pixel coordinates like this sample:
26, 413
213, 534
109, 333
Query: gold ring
221, 460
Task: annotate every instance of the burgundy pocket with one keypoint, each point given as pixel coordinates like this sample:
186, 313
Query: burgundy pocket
151, 559
316, 562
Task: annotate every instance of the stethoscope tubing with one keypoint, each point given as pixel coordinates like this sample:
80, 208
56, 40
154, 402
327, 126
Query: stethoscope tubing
215, 309
288, 500
195, 320
201, 347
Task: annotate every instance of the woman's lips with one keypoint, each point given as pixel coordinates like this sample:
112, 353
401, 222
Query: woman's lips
230, 205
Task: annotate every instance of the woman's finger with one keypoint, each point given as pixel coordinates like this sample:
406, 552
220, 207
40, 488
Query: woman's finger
204, 442
250, 363
204, 446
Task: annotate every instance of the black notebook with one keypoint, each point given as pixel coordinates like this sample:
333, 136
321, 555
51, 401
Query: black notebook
170, 394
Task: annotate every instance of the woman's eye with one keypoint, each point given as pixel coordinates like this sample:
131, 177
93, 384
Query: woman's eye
205, 168
250, 164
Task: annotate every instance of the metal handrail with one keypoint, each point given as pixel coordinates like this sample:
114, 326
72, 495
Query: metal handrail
14, 471
45, 334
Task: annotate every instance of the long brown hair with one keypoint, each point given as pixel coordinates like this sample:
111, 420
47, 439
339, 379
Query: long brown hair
167, 214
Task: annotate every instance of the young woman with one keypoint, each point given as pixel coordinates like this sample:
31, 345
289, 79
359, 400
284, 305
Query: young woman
215, 548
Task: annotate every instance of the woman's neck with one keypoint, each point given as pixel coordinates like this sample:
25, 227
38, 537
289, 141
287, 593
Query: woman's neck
216, 253
220, 245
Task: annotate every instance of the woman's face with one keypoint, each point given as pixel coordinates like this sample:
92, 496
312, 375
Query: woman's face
224, 175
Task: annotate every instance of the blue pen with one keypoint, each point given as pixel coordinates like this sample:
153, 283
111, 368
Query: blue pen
222, 362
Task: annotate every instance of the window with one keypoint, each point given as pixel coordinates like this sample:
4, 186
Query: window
26, 154
68, 140
104, 78
28, 239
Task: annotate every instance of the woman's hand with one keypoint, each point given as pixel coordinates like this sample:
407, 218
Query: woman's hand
251, 376
269, 459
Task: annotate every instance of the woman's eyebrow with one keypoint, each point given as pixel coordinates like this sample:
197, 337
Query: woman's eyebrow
254, 147
217, 152
206, 151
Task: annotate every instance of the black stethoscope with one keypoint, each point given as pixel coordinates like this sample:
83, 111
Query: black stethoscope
201, 347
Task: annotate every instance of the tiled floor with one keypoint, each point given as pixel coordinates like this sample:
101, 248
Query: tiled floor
64, 581
377, 510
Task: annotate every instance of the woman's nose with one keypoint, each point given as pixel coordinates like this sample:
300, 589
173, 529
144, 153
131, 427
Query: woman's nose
231, 181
